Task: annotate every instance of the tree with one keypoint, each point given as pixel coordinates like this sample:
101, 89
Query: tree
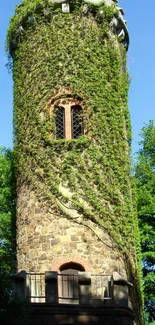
145, 178
7, 229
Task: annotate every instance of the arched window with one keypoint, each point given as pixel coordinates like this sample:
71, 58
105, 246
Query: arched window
68, 283
77, 122
59, 122
68, 118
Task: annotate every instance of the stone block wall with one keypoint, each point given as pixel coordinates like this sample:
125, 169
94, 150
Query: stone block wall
46, 241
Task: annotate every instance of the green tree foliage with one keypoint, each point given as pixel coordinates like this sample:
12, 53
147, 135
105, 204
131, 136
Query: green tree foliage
7, 235
145, 174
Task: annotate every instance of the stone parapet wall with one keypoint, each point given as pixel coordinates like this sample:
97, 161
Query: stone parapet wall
46, 241
74, 315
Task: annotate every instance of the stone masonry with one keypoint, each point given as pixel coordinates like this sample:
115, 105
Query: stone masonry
51, 241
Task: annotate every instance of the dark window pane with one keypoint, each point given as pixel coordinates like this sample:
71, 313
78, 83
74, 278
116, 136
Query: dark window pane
77, 121
60, 123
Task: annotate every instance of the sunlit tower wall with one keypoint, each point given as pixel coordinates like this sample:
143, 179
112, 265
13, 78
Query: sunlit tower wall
72, 138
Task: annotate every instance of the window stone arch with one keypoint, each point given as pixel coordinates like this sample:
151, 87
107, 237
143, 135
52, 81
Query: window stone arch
68, 115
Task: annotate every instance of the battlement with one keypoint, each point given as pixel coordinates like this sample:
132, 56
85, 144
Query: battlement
27, 15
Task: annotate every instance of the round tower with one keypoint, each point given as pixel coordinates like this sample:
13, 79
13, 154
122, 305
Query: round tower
72, 132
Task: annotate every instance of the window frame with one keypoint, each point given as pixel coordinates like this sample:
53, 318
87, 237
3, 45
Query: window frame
67, 103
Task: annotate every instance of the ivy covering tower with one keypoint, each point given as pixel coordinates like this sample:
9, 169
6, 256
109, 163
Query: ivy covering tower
72, 133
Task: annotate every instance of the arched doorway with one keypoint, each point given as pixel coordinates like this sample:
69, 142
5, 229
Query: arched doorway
68, 284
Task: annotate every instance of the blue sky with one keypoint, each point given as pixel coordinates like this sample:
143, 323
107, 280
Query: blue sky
141, 63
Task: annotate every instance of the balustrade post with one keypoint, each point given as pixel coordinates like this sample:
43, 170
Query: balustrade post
120, 290
85, 288
51, 287
19, 285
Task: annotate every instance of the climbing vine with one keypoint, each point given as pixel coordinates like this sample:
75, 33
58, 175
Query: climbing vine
76, 52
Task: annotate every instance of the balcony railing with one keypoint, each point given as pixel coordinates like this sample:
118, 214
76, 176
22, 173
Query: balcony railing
35, 287
78, 289
68, 287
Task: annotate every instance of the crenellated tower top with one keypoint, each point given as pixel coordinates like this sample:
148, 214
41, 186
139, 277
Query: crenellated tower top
27, 13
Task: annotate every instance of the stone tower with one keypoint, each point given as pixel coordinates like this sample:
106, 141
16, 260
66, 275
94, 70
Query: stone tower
76, 225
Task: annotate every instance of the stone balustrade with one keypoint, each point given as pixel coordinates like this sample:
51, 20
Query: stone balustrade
84, 288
